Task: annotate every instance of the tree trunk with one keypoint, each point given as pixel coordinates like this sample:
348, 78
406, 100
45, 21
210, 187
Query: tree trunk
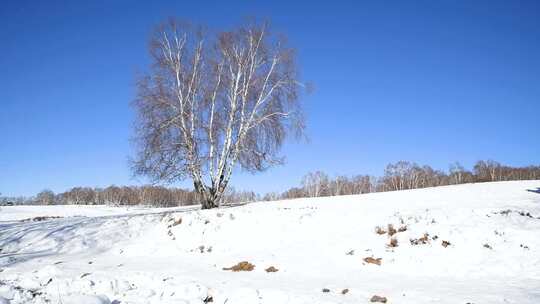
208, 204
208, 197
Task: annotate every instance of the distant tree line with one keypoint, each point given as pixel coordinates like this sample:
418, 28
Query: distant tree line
404, 175
151, 196
401, 175
156, 196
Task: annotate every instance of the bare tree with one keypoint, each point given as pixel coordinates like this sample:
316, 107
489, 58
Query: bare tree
487, 171
315, 184
212, 103
458, 174
45, 197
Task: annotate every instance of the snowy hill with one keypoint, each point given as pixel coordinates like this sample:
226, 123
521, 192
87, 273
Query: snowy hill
474, 243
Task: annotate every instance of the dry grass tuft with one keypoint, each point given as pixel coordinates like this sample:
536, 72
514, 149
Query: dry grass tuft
391, 230
271, 269
175, 222
378, 299
423, 240
371, 260
242, 266
40, 218
379, 230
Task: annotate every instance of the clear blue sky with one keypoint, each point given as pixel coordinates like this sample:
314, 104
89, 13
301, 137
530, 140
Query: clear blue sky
427, 81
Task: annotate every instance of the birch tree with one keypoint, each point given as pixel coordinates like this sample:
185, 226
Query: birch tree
213, 103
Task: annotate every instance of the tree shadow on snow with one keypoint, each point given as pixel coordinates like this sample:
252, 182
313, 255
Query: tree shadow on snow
52, 236
537, 190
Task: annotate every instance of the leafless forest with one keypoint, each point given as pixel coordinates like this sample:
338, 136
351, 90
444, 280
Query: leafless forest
401, 175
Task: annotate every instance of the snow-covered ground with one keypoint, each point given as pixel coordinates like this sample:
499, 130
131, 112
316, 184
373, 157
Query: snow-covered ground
18, 213
116, 255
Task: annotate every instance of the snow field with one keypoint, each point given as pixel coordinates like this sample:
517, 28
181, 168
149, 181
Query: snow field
109, 255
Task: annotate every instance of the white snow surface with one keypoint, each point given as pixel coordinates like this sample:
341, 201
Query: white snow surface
118, 255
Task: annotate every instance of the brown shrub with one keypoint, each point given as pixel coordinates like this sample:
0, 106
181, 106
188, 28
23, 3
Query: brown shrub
271, 269
371, 260
393, 243
445, 244
242, 266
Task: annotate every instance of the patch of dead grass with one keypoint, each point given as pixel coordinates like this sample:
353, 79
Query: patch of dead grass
242, 266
